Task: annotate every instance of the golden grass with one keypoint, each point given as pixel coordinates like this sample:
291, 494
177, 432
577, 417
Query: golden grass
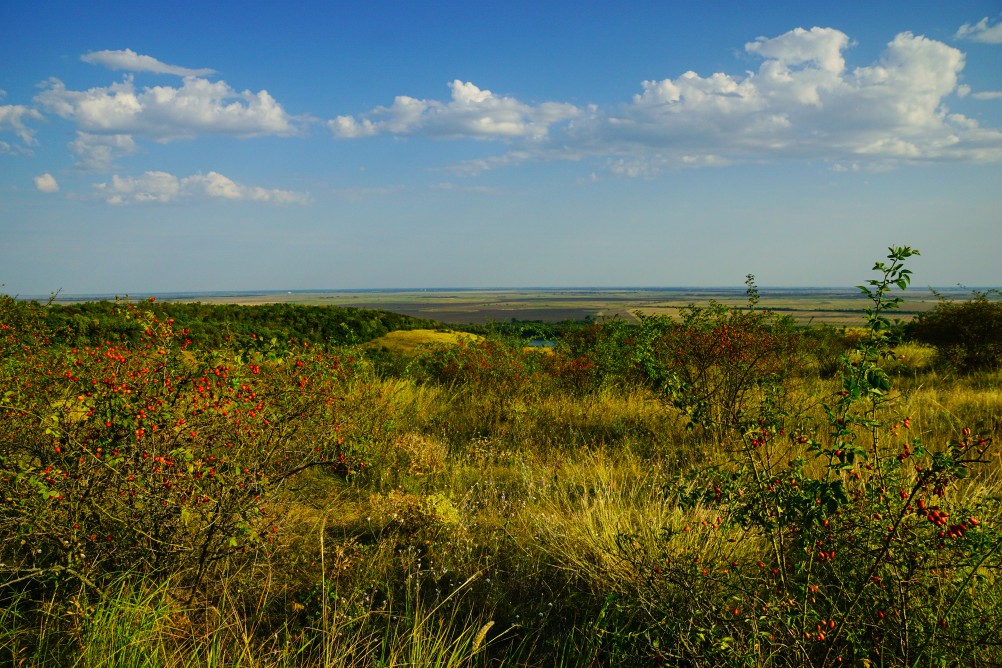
410, 342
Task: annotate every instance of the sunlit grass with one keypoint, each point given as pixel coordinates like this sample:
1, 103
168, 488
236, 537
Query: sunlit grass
408, 342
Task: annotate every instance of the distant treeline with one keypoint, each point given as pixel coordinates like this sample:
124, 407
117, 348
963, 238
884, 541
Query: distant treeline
209, 325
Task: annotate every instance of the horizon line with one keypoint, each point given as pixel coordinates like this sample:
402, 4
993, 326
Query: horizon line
175, 294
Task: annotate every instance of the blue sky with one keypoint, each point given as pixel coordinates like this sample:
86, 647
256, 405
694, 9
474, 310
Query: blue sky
253, 145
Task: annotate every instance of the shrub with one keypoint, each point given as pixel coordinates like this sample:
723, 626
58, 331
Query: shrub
596, 355
715, 363
151, 459
489, 365
860, 546
966, 334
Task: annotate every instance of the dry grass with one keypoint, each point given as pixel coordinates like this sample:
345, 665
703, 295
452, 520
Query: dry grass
410, 342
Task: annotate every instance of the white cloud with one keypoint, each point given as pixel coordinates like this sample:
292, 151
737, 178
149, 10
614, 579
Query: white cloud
12, 119
988, 95
98, 152
46, 183
164, 187
981, 32
650, 166
819, 47
471, 113
541, 152
127, 59
165, 113
802, 103
150, 187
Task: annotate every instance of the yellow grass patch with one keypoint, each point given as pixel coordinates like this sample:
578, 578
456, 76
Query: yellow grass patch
407, 342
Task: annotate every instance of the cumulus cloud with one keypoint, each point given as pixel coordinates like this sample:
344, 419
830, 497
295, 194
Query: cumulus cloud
46, 183
820, 48
98, 152
12, 119
166, 113
150, 187
127, 59
802, 102
988, 95
981, 32
471, 113
164, 187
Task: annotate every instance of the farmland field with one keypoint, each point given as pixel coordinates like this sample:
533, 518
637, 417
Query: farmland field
833, 306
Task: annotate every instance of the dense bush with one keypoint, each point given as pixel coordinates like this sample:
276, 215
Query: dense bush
707, 363
148, 458
214, 325
714, 364
967, 334
491, 365
826, 346
596, 355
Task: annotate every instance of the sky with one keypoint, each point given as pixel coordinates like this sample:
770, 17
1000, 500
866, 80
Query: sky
255, 145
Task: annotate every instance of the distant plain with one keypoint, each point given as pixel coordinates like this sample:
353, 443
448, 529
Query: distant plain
832, 306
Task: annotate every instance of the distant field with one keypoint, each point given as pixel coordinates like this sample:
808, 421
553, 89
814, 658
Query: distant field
835, 306
828, 306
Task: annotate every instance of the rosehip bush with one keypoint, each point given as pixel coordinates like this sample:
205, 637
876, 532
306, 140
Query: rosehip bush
575, 374
849, 543
148, 457
716, 362
708, 362
487, 366
596, 355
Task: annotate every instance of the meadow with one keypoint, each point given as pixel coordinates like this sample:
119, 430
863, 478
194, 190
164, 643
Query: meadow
710, 485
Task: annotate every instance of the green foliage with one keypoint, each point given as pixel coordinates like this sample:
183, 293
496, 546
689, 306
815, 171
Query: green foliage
210, 326
716, 363
491, 365
967, 334
148, 458
869, 551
